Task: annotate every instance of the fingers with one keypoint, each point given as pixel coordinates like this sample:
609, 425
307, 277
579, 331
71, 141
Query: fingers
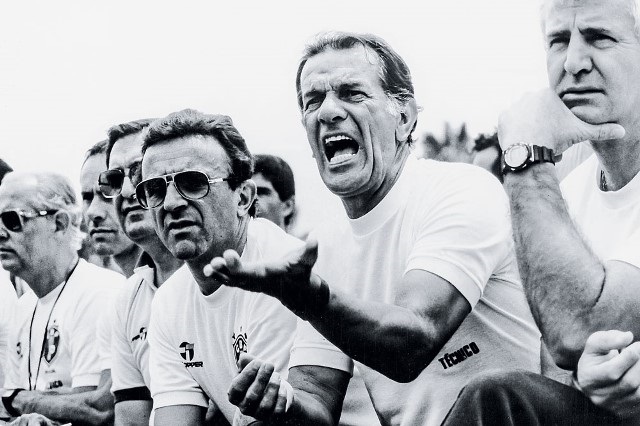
217, 266
241, 383
244, 360
604, 132
257, 390
602, 342
310, 254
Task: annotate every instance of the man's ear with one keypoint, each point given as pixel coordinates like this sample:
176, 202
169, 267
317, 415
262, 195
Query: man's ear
407, 121
289, 206
62, 221
246, 196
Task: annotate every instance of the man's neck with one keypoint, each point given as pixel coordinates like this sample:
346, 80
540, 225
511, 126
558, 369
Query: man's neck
165, 263
358, 206
620, 161
45, 280
128, 259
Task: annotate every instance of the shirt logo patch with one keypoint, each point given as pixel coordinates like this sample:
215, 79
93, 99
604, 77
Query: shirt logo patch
449, 360
239, 343
19, 349
141, 336
186, 352
51, 343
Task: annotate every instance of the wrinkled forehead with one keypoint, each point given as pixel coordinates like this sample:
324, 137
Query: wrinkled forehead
18, 192
126, 151
333, 68
192, 152
610, 15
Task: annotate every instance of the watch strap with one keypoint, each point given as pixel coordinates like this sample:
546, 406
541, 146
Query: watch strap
537, 154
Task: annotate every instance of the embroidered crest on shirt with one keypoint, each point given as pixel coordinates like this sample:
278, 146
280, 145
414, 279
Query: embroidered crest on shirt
239, 343
142, 336
51, 343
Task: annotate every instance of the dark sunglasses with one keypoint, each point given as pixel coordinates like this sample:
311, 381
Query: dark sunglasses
13, 219
110, 181
190, 184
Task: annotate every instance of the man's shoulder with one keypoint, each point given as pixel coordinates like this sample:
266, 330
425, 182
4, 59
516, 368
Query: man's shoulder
269, 240
174, 286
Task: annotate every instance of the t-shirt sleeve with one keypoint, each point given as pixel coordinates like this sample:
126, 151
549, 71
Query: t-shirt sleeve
171, 383
85, 359
467, 236
12, 366
125, 373
629, 251
311, 348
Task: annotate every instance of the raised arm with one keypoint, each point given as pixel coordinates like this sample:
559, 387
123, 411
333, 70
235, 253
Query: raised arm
572, 292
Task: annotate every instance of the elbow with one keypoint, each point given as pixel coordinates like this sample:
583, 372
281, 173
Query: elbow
406, 366
566, 349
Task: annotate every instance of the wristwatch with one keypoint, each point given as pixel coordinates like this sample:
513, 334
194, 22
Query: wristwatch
519, 156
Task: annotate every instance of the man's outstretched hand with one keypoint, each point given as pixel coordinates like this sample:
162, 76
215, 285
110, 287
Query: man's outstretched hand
288, 279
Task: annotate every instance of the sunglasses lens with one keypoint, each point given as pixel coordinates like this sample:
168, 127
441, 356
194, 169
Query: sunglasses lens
192, 184
11, 221
151, 192
110, 182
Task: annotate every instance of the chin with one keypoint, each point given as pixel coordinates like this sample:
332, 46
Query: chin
590, 114
184, 250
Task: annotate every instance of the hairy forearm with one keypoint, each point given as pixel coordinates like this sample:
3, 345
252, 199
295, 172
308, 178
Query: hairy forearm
563, 278
392, 340
84, 408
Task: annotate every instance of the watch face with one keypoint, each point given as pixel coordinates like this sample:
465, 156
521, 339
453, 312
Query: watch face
516, 155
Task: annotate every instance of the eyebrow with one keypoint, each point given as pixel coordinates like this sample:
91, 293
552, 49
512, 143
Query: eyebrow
345, 84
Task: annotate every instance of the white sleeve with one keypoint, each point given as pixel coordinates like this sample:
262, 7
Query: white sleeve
469, 235
124, 369
171, 383
271, 331
85, 362
14, 353
311, 348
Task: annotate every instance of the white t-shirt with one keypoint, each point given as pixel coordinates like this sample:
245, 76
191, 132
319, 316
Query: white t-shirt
451, 220
69, 356
609, 221
8, 300
105, 323
195, 340
130, 370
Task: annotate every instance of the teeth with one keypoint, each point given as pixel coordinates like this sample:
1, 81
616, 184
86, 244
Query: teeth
336, 138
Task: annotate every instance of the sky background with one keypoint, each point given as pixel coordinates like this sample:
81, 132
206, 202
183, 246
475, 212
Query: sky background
71, 69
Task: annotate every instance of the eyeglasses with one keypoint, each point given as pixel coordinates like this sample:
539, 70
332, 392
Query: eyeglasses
110, 181
190, 184
13, 219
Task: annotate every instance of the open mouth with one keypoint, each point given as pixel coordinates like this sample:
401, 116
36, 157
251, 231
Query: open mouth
339, 148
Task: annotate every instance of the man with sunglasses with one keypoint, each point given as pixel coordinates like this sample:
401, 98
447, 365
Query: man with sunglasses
196, 171
129, 346
106, 234
52, 350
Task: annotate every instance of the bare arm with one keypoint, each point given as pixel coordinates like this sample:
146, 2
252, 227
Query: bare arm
429, 311
185, 415
82, 406
572, 293
133, 413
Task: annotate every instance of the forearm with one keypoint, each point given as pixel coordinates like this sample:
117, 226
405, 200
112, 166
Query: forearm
78, 408
563, 278
390, 339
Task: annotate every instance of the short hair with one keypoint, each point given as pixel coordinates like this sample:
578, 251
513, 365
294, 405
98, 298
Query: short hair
278, 172
190, 122
4, 169
97, 149
634, 8
395, 76
54, 192
120, 131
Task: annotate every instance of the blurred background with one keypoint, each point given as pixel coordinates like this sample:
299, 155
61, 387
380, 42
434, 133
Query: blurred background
71, 69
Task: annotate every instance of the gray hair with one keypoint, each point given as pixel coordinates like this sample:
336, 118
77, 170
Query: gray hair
634, 9
53, 191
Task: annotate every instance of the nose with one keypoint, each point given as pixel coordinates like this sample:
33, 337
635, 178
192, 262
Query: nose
578, 56
96, 212
128, 191
331, 110
4, 234
173, 200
